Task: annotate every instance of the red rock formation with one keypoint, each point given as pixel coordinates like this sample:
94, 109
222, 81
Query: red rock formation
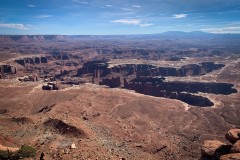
210, 146
8, 69
139, 77
236, 147
213, 149
232, 156
112, 82
63, 128
233, 135
34, 60
140, 70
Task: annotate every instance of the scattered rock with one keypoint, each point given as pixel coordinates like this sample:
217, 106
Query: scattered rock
46, 108
236, 147
66, 151
233, 135
3, 111
50, 86
42, 156
232, 156
85, 118
29, 78
22, 120
73, 146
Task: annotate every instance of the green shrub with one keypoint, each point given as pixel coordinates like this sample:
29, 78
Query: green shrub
24, 152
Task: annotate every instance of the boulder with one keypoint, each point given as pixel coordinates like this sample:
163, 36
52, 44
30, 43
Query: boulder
73, 146
210, 146
236, 147
233, 135
232, 156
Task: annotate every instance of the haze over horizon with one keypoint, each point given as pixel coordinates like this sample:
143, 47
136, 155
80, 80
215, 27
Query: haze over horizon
109, 17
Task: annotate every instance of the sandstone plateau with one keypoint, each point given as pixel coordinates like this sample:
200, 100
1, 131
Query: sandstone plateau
101, 98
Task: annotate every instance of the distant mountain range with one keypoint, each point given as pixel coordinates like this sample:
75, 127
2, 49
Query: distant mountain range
198, 34
165, 35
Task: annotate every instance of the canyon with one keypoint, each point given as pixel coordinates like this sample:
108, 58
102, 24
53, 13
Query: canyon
149, 80
118, 97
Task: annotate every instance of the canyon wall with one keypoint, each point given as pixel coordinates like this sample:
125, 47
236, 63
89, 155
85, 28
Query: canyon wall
148, 70
149, 80
179, 90
33, 60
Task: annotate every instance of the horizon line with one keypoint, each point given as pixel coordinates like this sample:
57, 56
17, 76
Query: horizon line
116, 34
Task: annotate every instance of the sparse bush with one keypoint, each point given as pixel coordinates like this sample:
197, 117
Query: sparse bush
24, 152
27, 151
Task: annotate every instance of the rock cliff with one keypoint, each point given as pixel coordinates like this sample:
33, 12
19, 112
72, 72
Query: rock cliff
149, 80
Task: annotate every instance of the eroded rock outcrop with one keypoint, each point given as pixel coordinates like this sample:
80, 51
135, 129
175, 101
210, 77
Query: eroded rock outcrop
232, 156
214, 148
192, 87
236, 147
92, 66
148, 70
22, 120
7, 69
149, 80
63, 128
30, 78
156, 86
32, 60
50, 86
233, 135
112, 82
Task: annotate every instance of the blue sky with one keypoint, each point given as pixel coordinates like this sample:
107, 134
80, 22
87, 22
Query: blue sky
104, 17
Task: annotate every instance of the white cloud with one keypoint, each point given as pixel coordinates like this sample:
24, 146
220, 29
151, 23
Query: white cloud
31, 5
14, 26
43, 16
136, 6
127, 9
109, 5
222, 30
179, 16
145, 24
127, 13
81, 2
128, 21
137, 22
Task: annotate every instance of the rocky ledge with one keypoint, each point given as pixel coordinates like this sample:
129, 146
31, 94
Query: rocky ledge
217, 150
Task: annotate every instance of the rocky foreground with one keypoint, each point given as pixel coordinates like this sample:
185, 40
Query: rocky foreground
90, 121
214, 149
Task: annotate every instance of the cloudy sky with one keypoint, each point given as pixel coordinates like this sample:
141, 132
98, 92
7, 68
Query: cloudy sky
97, 17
